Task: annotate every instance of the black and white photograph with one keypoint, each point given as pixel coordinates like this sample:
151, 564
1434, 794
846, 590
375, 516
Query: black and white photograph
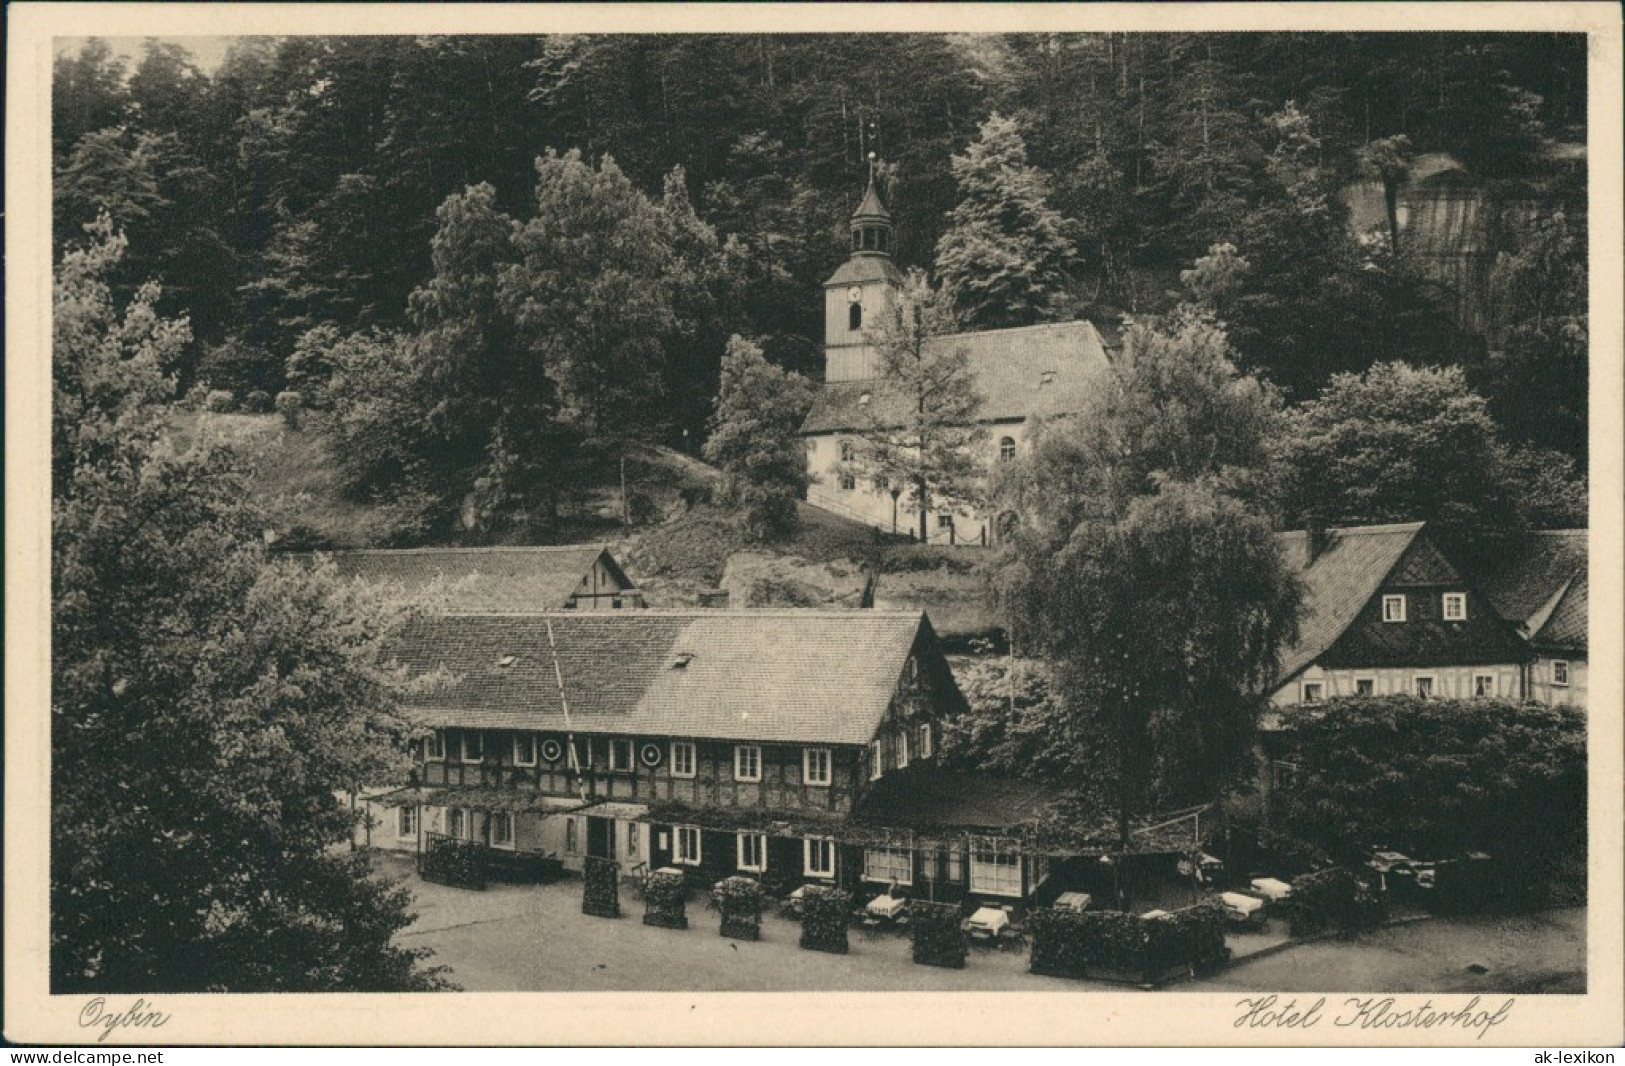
1094, 510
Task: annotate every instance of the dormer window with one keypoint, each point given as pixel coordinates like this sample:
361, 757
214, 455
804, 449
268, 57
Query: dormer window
864, 398
507, 661
1046, 379
681, 660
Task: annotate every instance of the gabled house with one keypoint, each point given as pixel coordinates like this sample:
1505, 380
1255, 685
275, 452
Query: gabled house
1022, 374
1386, 612
720, 741
1542, 587
583, 577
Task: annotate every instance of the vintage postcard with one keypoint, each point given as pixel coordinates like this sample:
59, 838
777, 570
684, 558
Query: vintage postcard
814, 524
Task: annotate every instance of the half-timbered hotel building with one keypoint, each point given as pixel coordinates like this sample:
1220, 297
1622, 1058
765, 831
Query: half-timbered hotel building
715, 741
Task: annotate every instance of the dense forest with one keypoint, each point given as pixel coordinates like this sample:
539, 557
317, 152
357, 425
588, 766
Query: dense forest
617, 207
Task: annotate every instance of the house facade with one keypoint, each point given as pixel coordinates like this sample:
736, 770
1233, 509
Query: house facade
1022, 374
1542, 586
1387, 613
762, 742
575, 577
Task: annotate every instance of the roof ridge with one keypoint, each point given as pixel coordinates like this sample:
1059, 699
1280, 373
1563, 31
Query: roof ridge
698, 612
1388, 527
1035, 327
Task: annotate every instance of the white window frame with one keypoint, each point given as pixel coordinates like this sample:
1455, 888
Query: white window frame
1319, 694
622, 744
877, 761
754, 773
1494, 685
990, 872
825, 846
811, 758
1561, 666
434, 746
1458, 601
457, 823
1365, 681
925, 740
463, 736
406, 822
760, 847
681, 836
902, 748
686, 747
498, 820
1433, 686
517, 739
1394, 600
887, 872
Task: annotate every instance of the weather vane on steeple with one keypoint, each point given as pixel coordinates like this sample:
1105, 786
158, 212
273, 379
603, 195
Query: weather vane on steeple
871, 168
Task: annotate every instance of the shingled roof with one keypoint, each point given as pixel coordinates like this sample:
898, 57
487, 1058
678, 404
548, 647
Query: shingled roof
1338, 582
793, 676
468, 580
1541, 586
1010, 366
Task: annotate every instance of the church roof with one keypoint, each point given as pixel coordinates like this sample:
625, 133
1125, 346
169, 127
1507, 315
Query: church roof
871, 208
1044, 370
862, 267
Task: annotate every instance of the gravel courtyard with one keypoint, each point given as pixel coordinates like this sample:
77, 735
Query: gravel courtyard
535, 938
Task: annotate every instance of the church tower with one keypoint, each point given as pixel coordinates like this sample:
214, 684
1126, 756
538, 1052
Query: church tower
860, 292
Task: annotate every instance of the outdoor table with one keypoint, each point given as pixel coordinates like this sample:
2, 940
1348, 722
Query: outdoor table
1073, 901
669, 870
886, 906
1155, 914
1240, 905
1271, 889
988, 921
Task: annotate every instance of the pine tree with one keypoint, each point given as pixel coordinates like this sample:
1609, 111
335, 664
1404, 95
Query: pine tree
1005, 256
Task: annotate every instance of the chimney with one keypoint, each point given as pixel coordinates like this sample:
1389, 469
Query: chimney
1319, 537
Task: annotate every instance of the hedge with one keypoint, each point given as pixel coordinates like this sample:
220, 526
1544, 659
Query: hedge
219, 400
939, 939
1331, 899
600, 894
1123, 946
452, 861
740, 900
823, 919
665, 900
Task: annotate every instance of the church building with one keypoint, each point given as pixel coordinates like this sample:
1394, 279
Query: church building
1022, 374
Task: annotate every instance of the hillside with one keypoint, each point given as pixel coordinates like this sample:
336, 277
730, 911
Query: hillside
679, 545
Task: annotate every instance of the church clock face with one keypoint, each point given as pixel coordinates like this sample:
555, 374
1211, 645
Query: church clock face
854, 294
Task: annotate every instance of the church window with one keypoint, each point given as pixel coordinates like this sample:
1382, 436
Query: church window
848, 482
854, 316
848, 451
1007, 448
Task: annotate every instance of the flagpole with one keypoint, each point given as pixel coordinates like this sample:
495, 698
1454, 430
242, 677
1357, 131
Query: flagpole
564, 702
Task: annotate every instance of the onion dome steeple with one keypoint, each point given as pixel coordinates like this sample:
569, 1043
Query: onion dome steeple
871, 222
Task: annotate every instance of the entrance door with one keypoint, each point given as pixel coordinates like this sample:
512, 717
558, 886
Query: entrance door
601, 837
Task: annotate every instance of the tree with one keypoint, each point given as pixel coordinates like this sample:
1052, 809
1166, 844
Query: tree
920, 433
754, 440
1005, 256
205, 703
1404, 444
591, 290
1438, 777
1390, 159
1145, 570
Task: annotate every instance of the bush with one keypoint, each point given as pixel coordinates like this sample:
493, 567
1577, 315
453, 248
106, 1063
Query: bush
600, 894
823, 919
219, 400
257, 402
740, 899
290, 405
665, 900
1331, 899
453, 861
939, 940
1068, 944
